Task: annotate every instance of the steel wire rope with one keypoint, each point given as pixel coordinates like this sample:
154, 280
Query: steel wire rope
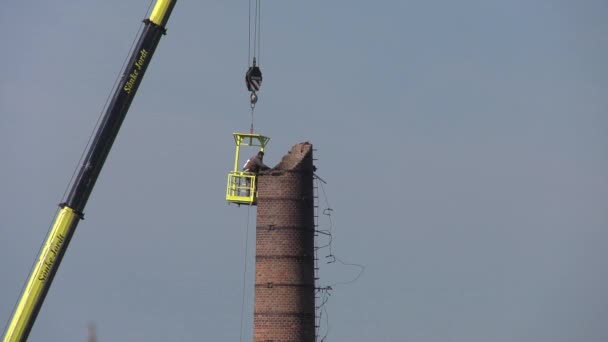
255, 38
251, 127
255, 29
259, 36
104, 107
249, 36
244, 274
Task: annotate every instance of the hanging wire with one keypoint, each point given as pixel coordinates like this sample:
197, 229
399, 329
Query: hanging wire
249, 37
323, 309
255, 30
361, 270
253, 40
251, 128
259, 37
328, 212
255, 13
325, 291
245, 273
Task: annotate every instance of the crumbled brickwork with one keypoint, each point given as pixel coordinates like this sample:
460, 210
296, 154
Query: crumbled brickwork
284, 308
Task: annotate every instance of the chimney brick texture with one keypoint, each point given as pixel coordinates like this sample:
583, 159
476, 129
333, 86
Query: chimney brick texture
284, 309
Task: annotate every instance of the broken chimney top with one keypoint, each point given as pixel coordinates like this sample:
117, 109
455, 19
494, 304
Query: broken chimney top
299, 158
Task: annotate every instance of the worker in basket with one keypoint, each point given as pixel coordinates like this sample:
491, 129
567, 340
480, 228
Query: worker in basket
254, 165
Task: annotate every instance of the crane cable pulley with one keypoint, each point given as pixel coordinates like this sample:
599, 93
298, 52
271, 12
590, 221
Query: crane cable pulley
253, 76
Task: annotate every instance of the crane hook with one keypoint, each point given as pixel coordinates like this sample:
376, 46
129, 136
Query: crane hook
253, 98
253, 77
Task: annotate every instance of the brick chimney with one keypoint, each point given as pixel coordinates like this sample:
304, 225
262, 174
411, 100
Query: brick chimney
284, 308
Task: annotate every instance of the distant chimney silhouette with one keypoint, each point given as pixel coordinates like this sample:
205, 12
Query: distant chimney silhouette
91, 333
284, 308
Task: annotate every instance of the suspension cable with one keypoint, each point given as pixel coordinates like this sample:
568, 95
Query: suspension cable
249, 36
245, 273
251, 127
253, 76
260, 32
255, 25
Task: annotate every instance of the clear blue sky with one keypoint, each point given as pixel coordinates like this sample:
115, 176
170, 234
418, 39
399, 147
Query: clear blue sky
464, 143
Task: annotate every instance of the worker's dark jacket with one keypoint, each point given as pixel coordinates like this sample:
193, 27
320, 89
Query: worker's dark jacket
255, 165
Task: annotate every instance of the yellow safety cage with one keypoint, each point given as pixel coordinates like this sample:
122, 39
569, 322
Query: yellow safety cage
242, 186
